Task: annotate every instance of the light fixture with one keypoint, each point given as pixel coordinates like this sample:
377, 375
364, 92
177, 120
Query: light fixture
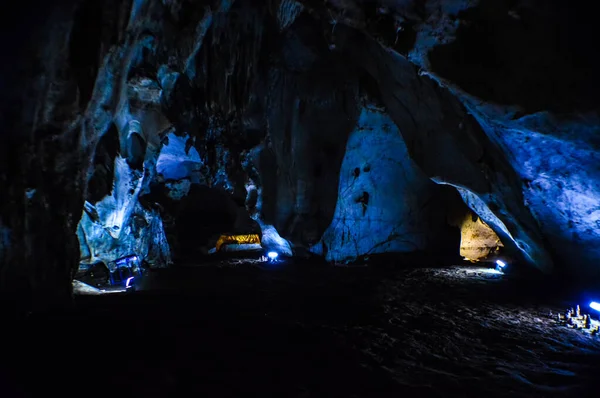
272, 255
500, 265
595, 306
127, 283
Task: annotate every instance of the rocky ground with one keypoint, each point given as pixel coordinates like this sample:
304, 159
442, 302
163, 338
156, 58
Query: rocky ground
304, 331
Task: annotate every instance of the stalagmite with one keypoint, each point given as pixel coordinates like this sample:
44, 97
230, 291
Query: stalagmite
587, 322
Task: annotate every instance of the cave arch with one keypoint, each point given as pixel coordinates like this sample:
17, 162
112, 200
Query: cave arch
515, 248
204, 214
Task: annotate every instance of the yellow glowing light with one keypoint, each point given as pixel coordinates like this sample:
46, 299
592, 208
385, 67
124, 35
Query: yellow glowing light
478, 240
237, 240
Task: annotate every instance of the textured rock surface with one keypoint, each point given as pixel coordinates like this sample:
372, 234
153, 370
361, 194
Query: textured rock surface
267, 94
178, 160
477, 239
536, 99
499, 60
385, 203
45, 147
452, 149
83, 289
66, 84
143, 234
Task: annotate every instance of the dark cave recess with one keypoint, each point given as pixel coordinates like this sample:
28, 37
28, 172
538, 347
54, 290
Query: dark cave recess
534, 54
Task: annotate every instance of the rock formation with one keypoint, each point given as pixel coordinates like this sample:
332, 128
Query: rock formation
326, 125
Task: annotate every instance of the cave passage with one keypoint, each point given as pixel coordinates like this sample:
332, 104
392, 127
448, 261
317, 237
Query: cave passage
299, 198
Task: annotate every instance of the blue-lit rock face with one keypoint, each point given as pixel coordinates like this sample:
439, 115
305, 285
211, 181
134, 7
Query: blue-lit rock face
143, 236
539, 106
178, 165
287, 11
558, 163
385, 203
562, 182
537, 102
272, 241
179, 159
452, 149
482, 95
118, 225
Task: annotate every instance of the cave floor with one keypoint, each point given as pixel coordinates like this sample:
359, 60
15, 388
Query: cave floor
309, 331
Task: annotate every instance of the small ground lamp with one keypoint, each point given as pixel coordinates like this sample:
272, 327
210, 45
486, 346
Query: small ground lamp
272, 256
595, 306
128, 285
500, 265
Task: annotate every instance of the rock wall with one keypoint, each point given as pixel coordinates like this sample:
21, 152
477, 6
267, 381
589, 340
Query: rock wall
452, 149
477, 240
269, 95
118, 225
46, 146
179, 159
64, 87
535, 98
501, 61
385, 203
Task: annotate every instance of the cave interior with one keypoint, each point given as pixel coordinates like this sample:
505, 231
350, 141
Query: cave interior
300, 197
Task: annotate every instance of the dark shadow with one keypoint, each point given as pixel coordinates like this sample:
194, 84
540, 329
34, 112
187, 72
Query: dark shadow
202, 214
535, 56
84, 47
267, 165
178, 100
101, 182
136, 151
385, 28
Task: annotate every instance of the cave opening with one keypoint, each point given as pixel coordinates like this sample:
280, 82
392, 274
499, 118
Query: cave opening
361, 198
478, 241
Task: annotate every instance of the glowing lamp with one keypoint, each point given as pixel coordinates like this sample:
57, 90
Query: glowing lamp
128, 282
595, 306
500, 263
272, 255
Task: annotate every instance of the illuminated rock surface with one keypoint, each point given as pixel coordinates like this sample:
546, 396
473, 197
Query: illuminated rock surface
385, 203
261, 102
178, 160
350, 131
478, 240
